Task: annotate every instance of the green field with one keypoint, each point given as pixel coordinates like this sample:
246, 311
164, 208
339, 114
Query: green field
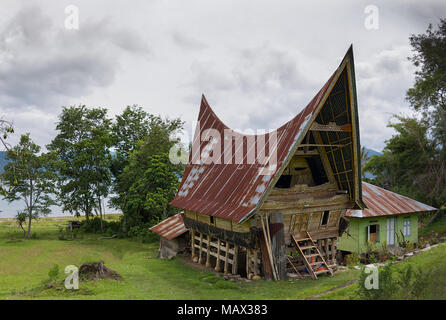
24, 265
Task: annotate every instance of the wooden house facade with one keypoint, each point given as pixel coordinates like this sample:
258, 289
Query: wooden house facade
389, 220
281, 215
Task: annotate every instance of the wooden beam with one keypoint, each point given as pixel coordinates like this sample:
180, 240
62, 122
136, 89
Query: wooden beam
217, 264
331, 126
308, 153
333, 250
322, 145
327, 252
192, 240
226, 258
200, 259
235, 260
208, 247
248, 264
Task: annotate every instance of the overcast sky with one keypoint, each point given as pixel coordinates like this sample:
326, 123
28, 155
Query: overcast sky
258, 62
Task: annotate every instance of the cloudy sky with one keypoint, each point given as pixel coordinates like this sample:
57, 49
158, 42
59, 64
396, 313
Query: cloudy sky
258, 62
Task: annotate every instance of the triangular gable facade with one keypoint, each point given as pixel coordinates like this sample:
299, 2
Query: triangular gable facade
222, 180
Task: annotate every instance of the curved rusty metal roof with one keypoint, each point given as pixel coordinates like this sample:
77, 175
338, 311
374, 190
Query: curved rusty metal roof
382, 202
171, 227
234, 191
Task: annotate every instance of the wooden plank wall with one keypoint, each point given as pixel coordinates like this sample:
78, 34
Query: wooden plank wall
226, 254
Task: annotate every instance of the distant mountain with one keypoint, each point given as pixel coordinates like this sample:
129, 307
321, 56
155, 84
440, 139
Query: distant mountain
371, 152
3, 160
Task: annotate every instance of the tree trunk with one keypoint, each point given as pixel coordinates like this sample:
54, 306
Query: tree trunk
100, 214
30, 216
124, 224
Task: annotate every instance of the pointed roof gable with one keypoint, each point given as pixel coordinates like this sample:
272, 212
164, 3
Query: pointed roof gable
234, 190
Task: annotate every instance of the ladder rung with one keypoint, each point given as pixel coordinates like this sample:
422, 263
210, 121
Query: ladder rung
312, 255
307, 247
302, 239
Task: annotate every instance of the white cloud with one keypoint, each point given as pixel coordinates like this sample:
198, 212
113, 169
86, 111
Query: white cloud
259, 63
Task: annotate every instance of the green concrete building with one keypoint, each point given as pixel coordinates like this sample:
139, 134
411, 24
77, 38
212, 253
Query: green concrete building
388, 218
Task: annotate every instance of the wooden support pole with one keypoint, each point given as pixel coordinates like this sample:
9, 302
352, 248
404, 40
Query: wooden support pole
217, 264
226, 257
256, 263
247, 263
327, 252
268, 245
235, 260
319, 245
200, 259
208, 252
333, 250
192, 241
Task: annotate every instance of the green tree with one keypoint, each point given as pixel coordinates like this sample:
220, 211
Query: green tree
414, 159
129, 128
149, 180
428, 94
6, 129
30, 178
406, 165
82, 145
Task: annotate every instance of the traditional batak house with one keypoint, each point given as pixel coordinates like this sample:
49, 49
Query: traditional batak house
278, 210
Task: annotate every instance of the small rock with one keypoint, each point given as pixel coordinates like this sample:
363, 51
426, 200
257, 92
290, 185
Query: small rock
409, 254
247, 280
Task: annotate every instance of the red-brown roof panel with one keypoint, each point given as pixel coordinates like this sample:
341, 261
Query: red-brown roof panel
170, 228
381, 202
231, 190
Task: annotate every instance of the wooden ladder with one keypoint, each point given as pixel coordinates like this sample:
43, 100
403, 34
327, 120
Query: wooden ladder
308, 250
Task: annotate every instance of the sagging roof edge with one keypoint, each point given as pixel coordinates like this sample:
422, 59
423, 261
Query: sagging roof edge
348, 62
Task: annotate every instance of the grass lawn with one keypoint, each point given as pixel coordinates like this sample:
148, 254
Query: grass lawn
24, 265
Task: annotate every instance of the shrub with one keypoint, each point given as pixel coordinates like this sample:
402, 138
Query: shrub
387, 285
352, 259
142, 233
94, 226
53, 273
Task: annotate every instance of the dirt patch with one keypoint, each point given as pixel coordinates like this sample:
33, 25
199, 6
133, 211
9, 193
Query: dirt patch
96, 271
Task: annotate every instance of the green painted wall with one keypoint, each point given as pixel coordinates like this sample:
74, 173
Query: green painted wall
358, 231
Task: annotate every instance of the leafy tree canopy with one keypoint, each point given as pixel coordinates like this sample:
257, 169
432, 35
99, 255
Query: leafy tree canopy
82, 145
30, 179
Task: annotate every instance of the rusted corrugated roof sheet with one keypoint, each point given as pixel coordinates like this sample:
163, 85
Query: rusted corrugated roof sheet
170, 228
381, 202
234, 191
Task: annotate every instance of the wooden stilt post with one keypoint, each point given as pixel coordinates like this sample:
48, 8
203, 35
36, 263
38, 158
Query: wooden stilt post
256, 264
226, 258
248, 262
327, 251
208, 252
333, 250
268, 233
268, 246
235, 260
200, 260
192, 242
217, 264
